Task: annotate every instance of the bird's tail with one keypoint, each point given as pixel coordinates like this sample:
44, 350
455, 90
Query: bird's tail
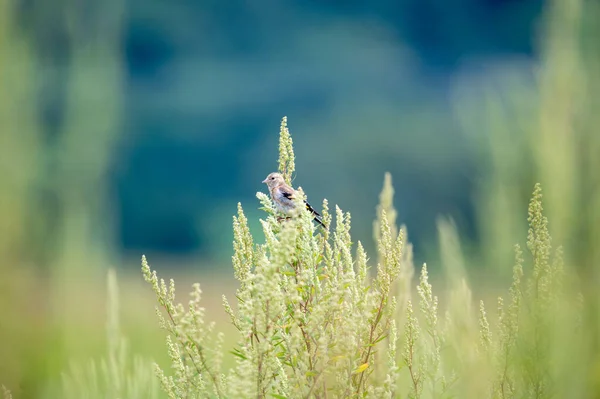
316, 215
318, 220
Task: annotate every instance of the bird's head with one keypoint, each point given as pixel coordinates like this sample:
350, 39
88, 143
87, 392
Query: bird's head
274, 179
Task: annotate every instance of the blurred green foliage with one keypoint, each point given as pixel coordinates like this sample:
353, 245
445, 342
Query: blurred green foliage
54, 202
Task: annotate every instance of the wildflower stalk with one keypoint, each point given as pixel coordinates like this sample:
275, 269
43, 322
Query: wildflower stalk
411, 338
429, 308
287, 164
187, 328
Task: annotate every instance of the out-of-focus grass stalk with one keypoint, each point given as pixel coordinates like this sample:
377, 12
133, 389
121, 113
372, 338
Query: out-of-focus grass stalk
119, 373
566, 146
591, 209
38, 332
19, 154
566, 143
547, 132
85, 146
555, 140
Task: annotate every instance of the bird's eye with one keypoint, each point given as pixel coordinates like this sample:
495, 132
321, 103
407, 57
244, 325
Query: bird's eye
272, 177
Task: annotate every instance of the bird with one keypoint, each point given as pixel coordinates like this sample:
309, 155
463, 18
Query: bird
283, 196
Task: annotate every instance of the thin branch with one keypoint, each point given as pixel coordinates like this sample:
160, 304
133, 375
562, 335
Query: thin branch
371, 341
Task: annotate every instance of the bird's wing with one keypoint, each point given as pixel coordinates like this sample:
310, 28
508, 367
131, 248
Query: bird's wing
284, 195
287, 192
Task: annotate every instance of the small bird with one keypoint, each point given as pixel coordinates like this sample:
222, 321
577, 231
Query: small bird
283, 196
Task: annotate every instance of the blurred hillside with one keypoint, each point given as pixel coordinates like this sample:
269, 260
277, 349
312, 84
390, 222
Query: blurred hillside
367, 87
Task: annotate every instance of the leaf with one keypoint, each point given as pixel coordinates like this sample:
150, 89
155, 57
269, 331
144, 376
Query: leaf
237, 353
383, 336
240, 299
361, 368
278, 396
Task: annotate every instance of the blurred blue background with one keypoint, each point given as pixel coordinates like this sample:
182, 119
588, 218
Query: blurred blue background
367, 87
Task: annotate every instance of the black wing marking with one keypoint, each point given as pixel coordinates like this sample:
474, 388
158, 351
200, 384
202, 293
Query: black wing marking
287, 194
317, 215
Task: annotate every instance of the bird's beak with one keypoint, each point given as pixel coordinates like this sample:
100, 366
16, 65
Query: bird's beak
264, 181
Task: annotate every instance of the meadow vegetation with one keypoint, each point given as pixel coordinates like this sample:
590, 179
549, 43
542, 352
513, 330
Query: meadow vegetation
318, 318
315, 315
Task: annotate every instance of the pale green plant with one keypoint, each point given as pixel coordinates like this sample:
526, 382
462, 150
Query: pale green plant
299, 294
315, 322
